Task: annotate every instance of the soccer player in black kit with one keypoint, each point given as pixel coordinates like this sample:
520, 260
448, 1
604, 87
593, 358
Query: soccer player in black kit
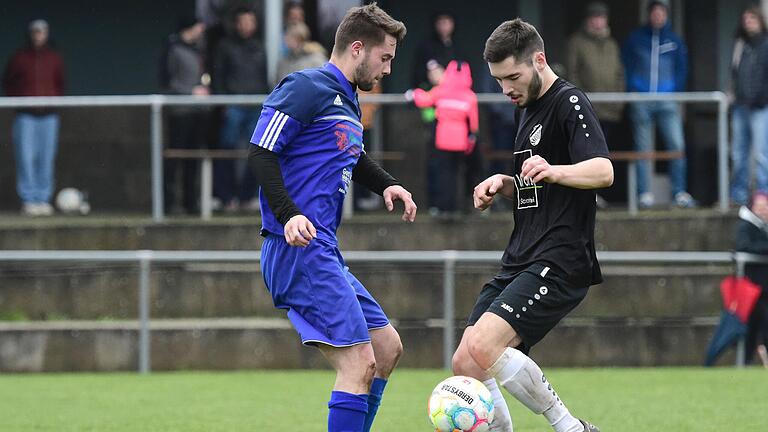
550, 261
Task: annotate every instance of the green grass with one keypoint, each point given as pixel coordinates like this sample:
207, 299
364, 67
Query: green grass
675, 400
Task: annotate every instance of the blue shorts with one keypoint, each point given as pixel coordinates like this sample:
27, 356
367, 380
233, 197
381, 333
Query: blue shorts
326, 304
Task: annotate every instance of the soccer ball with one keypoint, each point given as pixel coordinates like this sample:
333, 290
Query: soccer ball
71, 200
461, 404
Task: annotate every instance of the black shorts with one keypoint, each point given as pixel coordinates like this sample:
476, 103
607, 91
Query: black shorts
532, 301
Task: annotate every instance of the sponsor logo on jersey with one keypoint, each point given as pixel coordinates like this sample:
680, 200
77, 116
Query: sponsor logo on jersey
527, 189
337, 101
535, 135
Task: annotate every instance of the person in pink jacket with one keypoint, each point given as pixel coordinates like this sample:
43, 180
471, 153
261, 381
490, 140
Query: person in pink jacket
457, 123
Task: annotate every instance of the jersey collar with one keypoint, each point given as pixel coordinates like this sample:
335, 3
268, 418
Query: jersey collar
342, 80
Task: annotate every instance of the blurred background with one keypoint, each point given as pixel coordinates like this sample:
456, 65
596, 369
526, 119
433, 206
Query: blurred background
660, 303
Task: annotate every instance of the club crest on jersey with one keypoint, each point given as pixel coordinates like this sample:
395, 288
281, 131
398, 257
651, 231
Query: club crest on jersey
535, 135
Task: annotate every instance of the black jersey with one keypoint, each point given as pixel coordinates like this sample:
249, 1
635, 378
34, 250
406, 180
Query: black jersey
555, 224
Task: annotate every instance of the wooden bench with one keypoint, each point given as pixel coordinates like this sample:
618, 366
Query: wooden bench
206, 156
631, 157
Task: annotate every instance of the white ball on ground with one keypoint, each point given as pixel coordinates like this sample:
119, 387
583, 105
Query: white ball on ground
71, 200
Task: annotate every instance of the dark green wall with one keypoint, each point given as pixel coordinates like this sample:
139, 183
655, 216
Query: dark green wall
109, 47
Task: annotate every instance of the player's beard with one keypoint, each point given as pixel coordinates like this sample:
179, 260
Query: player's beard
534, 88
363, 77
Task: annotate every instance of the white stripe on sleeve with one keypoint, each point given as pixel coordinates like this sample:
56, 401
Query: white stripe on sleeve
272, 122
277, 133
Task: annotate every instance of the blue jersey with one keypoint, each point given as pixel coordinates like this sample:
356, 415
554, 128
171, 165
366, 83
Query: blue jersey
312, 122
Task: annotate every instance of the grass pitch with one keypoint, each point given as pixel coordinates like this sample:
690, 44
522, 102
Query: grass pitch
617, 400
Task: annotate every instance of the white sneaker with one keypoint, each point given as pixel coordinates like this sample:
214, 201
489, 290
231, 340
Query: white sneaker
647, 200
45, 209
685, 200
30, 209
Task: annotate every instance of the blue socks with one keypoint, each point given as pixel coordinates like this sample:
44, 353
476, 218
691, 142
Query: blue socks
347, 412
374, 400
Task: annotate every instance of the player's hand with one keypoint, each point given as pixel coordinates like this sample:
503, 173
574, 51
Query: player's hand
484, 192
396, 192
536, 168
299, 231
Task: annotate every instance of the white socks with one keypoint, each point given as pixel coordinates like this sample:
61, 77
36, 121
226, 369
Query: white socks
523, 378
502, 421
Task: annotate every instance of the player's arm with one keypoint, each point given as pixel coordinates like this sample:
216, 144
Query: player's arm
285, 114
485, 192
299, 231
592, 173
590, 167
371, 175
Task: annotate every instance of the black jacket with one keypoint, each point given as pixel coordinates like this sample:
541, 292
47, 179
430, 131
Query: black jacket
753, 238
240, 67
750, 71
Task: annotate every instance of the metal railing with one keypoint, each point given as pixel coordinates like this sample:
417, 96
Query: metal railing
448, 258
158, 102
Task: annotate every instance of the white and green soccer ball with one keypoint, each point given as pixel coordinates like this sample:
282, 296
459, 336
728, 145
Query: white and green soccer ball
460, 404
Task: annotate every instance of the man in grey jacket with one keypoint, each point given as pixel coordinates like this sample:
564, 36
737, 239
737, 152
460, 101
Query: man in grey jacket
182, 74
240, 67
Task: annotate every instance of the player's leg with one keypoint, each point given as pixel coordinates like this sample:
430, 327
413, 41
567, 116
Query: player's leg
324, 309
354, 367
387, 347
464, 364
519, 317
517, 373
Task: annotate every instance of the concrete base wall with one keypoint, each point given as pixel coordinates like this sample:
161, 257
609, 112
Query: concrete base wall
113, 347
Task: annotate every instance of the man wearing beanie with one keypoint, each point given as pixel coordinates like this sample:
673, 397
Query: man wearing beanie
35, 70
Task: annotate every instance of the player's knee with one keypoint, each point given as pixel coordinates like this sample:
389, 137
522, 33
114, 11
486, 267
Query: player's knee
481, 350
461, 362
396, 350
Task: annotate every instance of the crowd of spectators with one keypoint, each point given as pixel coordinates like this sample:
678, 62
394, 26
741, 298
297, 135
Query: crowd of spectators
221, 51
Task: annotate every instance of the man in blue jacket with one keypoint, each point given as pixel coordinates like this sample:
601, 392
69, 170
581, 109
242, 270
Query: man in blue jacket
656, 61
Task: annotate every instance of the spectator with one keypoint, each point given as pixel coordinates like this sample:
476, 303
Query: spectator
456, 116
656, 61
594, 64
752, 237
294, 14
750, 109
35, 70
240, 67
302, 52
438, 47
181, 74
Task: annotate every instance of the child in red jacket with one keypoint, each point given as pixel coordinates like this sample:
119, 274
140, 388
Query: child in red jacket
457, 123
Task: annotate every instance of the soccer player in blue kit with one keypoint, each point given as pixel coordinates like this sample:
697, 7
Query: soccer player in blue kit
307, 148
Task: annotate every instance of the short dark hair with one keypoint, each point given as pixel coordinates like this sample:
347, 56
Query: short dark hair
514, 38
368, 24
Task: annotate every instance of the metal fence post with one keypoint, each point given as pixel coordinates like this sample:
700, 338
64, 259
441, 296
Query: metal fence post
741, 345
156, 143
145, 262
632, 187
449, 324
722, 151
